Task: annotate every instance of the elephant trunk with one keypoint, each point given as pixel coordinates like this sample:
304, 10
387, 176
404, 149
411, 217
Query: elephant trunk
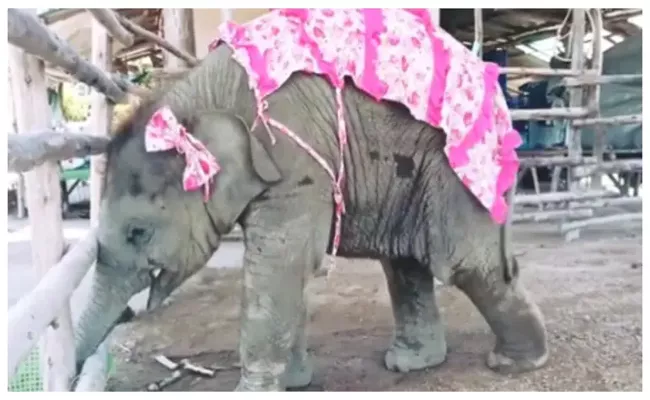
109, 295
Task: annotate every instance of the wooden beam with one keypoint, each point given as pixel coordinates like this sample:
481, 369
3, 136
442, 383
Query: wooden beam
617, 120
610, 219
583, 171
556, 197
617, 201
28, 33
34, 312
108, 19
478, 32
139, 31
61, 14
33, 114
595, 79
549, 215
525, 71
26, 151
593, 93
101, 114
528, 162
178, 28
548, 113
573, 138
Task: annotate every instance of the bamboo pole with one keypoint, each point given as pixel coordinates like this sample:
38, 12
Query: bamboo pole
178, 28
27, 32
27, 151
44, 202
107, 18
139, 31
32, 314
554, 197
549, 113
617, 120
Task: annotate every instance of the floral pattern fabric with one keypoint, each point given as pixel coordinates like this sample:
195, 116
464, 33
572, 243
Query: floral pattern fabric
392, 54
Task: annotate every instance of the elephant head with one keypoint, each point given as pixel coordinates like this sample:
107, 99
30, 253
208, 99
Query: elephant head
152, 232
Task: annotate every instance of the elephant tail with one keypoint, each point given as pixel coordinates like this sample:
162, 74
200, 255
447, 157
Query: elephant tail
508, 261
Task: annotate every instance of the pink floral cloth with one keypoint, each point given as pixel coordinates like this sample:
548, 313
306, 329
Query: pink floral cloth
394, 54
164, 132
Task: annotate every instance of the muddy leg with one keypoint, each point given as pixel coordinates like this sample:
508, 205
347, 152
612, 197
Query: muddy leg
300, 369
513, 316
419, 340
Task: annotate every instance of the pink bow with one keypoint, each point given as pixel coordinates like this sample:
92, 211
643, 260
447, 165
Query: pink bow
165, 132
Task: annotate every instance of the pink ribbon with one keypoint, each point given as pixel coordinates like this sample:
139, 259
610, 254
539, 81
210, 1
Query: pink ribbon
164, 132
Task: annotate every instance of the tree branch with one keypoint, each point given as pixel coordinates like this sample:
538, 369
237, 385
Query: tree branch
108, 19
28, 151
30, 34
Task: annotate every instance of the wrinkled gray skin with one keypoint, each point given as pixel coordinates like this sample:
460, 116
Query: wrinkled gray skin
405, 207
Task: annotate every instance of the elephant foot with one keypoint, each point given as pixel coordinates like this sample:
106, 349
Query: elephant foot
503, 364
405, 356
299, 373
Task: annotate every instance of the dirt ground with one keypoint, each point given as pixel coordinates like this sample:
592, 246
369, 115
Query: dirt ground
589, 291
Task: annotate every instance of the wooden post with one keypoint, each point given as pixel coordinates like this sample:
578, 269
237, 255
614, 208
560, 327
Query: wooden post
101, 114
20, 189
44, 201
178, 28
478, 32
593, 103
573, 138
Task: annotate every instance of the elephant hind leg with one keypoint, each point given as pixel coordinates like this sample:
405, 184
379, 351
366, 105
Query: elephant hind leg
515, 319
419, 340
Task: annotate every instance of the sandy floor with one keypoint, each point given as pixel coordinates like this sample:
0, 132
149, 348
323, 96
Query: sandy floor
588, 290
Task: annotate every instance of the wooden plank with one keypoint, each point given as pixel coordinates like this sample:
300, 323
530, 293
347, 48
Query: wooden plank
44, 202
108, 19
26, 31
27, 151
32, 314
139, 31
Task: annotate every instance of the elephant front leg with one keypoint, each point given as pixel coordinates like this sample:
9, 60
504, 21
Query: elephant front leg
300, 369
277, 263
419, 340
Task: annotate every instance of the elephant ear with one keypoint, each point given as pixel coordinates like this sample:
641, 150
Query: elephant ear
261, 159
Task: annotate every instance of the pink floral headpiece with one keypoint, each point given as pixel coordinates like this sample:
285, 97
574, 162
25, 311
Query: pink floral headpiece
164, 132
